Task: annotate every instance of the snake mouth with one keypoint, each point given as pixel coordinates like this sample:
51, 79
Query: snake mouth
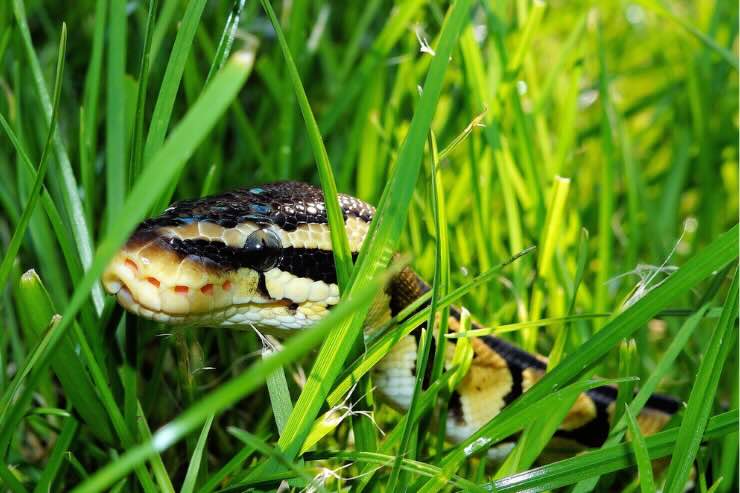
154, 282
226, 316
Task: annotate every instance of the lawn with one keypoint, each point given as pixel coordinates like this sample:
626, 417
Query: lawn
605, 134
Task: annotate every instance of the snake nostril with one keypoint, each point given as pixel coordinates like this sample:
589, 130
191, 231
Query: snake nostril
182, 289
207, 289
153, 281
131, 265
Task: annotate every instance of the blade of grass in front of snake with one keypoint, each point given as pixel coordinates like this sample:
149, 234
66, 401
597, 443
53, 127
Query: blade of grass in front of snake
161, 476
338, 233
543, 322
382, 238
440, 287
628, 366
9, 479
128, 371
711, 259
277, 389
218, 478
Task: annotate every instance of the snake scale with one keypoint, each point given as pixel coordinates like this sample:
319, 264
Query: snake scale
262, 257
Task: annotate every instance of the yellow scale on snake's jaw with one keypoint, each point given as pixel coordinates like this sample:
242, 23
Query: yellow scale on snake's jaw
253, 257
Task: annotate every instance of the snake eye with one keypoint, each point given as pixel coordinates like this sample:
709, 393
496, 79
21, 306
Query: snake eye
264, 249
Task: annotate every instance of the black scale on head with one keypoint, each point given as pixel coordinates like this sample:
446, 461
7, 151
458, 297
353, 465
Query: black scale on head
286, 205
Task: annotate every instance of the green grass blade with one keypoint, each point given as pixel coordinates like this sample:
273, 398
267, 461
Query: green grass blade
642, 454
228, 470
191, 476
627, 368
16, 397
33, 198
412, 466
558, 347
9, 479
63, 442
116, 137
89, 112
724, 338
162, 113
158, 468
137, 144
227, 39
439, 288
277, 387
259, 445
72, 202
339, 241
379, 50
609, 166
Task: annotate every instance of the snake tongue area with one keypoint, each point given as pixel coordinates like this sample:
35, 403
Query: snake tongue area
262, 257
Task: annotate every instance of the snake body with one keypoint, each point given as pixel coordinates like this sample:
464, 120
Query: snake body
262, 257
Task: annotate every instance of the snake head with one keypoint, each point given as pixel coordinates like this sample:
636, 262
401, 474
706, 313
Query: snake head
252, 257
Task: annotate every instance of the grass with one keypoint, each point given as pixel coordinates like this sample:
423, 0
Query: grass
605, 135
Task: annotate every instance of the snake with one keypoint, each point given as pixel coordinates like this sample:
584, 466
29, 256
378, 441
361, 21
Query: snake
262, 257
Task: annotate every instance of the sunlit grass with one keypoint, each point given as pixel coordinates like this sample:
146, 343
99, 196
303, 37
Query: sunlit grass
605, 135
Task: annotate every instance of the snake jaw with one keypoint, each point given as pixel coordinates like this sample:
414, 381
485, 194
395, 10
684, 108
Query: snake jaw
154, 282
